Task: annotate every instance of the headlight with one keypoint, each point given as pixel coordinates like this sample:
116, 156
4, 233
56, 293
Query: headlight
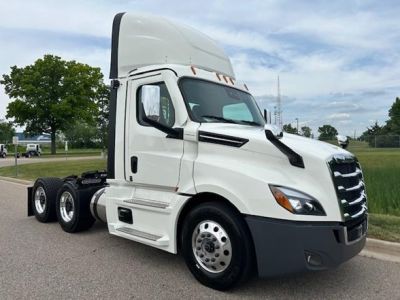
297, 202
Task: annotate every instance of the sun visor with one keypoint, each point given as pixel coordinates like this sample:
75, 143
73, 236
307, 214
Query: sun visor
140, 40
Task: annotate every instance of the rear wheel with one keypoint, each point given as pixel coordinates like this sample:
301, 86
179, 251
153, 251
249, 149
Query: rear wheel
216, 245
44, 198
73, 208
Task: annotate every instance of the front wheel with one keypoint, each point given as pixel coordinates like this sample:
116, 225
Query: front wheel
217, 246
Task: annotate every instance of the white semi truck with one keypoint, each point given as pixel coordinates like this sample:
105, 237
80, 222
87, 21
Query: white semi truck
194, 168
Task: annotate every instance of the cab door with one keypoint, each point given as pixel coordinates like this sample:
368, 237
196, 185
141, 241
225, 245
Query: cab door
152, 159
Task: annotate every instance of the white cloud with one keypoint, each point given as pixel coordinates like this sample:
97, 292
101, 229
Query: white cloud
321, 50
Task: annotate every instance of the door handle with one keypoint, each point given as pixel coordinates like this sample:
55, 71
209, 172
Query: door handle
134, 162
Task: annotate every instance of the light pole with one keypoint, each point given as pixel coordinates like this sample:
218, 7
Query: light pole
297, 121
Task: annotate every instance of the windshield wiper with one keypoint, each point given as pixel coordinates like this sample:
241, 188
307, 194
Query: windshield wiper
232, 121
250, 122
220, 119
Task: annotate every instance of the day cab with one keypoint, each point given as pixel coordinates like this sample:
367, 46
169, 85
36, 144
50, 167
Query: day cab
194, 167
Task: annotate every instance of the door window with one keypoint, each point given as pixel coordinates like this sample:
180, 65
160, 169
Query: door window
167, 111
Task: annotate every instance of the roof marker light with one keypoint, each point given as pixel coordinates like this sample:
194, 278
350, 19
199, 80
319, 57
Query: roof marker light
193, 70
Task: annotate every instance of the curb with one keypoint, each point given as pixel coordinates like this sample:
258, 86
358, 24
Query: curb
383, 250
16, 180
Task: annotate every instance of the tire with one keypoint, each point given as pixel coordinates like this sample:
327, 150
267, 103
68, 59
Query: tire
44, 196
73, 208
233, 257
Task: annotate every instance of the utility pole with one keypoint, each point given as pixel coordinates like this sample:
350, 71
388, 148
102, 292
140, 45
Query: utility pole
279, 106
297, 121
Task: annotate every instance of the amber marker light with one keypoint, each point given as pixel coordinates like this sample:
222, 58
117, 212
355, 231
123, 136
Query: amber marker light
281, 198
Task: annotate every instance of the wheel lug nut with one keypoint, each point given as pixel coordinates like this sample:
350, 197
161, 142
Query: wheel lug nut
216, 246
201, 255
208, 235
213, 259
214, 239
216, 254
207, 260
203, 235
199, 240
198, 248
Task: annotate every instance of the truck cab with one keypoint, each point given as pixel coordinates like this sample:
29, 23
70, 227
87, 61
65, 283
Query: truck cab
194, 168
3, 151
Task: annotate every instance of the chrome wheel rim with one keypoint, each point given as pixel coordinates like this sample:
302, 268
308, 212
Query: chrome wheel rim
40, 200
211, 246
67, 207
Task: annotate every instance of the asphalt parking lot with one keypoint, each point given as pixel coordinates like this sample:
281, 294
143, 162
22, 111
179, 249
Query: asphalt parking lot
40, 261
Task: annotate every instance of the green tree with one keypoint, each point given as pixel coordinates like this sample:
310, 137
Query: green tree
83, 135
102, 119
306, 131
372, 131
52, 94
7, 131
393, 124
327, 132
289, 129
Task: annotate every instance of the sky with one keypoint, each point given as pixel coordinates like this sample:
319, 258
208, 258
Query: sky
338, 61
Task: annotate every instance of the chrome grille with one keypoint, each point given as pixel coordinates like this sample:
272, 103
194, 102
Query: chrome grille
349, 184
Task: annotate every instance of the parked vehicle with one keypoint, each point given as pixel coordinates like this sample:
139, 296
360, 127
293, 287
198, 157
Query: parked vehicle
3, 151
194, 167
33, 150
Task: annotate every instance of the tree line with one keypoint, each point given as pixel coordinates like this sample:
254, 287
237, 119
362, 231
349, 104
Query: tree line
382, 135
385, 132
326, 132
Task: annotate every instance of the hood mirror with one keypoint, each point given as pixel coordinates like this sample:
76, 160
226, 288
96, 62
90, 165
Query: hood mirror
343, 141
276, 131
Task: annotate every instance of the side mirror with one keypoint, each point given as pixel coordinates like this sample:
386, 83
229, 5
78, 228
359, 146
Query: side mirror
267, 116
150, 97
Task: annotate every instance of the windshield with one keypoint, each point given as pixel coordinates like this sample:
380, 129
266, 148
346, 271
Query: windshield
210, 102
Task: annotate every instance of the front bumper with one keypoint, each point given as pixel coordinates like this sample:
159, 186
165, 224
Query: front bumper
284, 247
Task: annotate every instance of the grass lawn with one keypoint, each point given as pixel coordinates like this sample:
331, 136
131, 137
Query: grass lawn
54, 169
382, 179
384, 227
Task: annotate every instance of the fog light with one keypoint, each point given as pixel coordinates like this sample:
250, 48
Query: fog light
313, 259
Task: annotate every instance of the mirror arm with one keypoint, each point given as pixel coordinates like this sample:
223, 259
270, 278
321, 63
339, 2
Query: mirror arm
176, 133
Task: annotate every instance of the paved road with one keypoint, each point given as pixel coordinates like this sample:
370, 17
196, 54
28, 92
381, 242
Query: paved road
40, 261
10, 161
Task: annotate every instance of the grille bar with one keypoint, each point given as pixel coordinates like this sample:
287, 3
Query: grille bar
353, 174
349, 185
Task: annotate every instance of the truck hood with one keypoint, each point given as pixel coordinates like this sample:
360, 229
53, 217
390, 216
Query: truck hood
257, 141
